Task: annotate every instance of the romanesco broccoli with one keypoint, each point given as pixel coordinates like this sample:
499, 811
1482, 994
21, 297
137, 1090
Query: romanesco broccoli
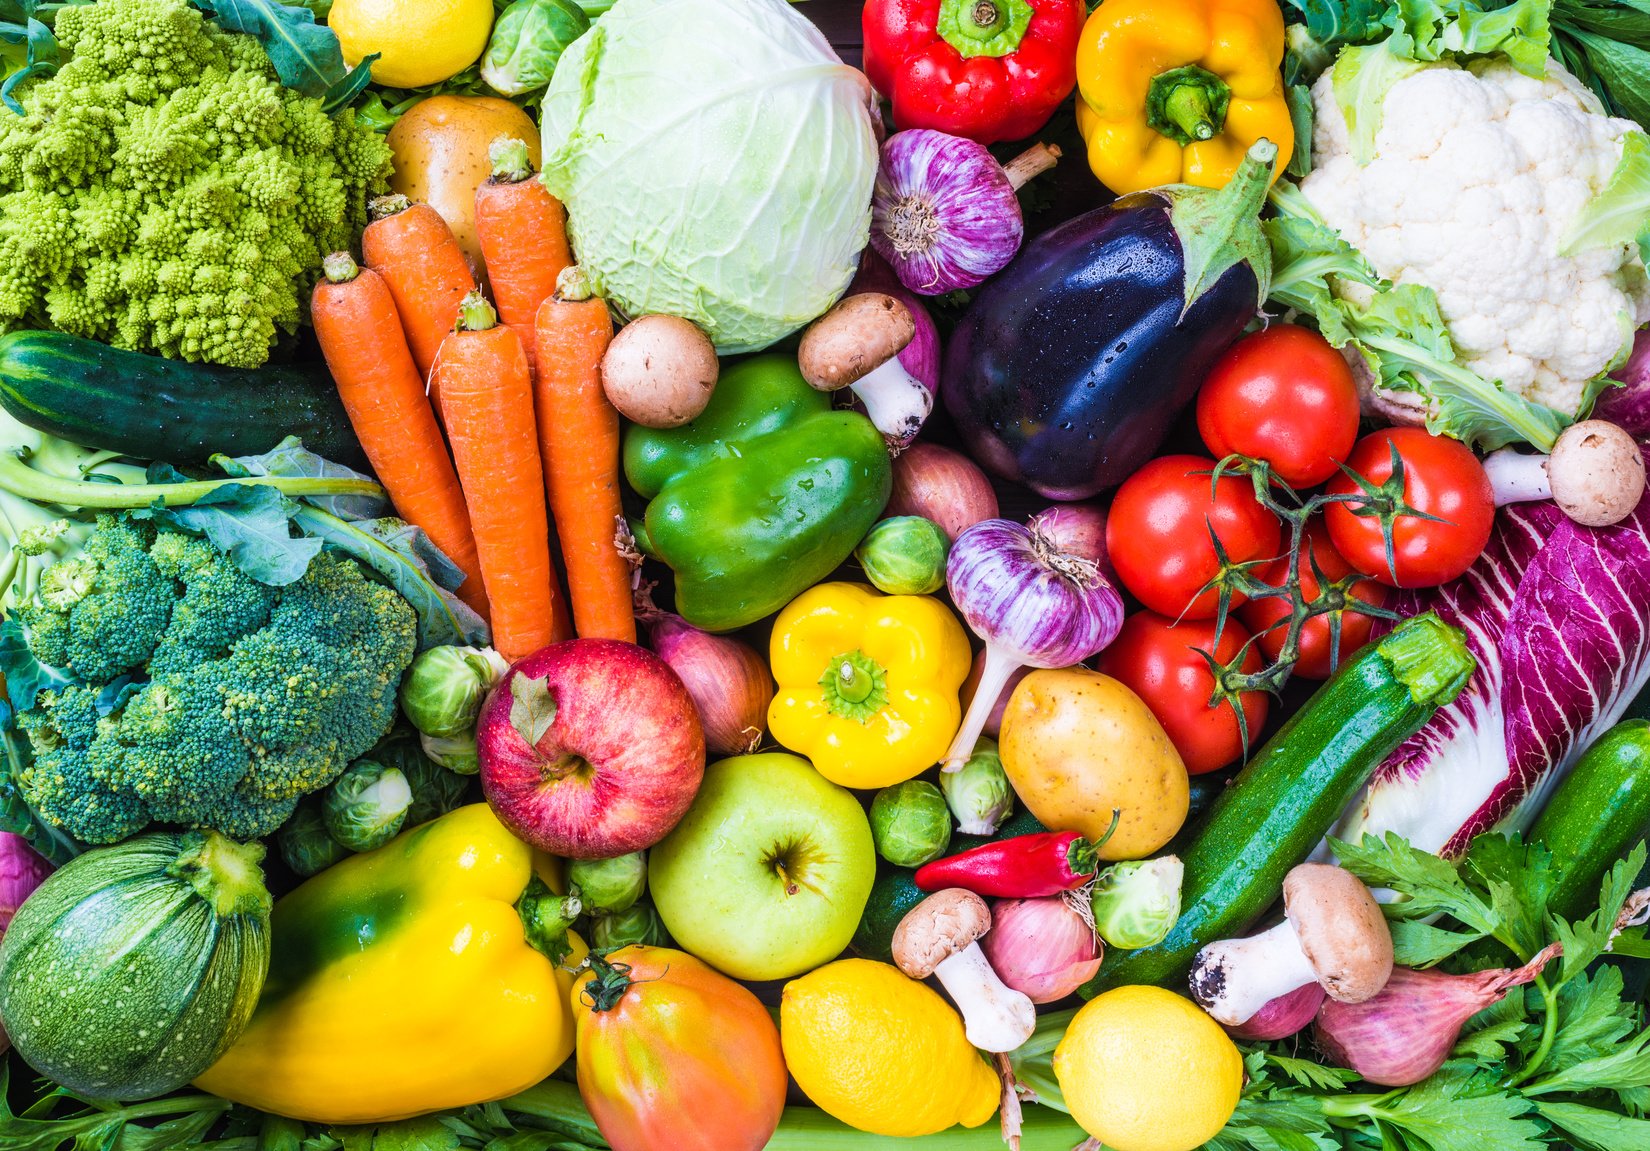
164, 193
202, 696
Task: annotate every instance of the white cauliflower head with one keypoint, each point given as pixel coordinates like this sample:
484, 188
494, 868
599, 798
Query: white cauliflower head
1476, 177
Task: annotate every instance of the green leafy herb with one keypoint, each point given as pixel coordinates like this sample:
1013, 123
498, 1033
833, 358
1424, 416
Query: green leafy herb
306, 54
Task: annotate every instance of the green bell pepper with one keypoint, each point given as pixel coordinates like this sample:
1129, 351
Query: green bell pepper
758, 499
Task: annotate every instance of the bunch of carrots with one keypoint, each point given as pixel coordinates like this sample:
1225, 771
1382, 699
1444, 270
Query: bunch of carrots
417, 350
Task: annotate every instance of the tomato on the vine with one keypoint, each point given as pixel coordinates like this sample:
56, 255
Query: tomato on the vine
1264, 616
1157, 533
1158, 660
1442, 478
1284, 396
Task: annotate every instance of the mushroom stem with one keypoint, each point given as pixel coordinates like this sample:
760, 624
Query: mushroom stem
1595, 474
1234, 978
995, 1016
896, 401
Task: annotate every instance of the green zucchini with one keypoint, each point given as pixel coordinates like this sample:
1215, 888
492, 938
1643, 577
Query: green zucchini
134, 967
1599, 811
1282, 804
153, 408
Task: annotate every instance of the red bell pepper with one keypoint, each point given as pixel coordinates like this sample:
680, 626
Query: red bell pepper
989, 70
1022, 867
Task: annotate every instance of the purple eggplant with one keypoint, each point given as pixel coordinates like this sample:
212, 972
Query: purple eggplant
1068, 369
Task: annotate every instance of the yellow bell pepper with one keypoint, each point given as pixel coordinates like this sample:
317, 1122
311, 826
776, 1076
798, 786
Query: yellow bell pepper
1176, 91
402, 981
868, 683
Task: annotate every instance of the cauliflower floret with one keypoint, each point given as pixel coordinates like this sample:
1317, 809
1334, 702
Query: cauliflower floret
1476, 177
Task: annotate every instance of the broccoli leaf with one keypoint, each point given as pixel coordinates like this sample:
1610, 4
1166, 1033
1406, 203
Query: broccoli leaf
252, 526
406, 559
26, 677
290, 458
306, 55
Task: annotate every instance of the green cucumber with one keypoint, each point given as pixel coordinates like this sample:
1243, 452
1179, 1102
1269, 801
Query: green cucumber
153, 408
134, 967
1282, 804
1599, 811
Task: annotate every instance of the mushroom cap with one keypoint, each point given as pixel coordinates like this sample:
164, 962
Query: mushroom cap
1340, 929
659, 371
1597, 473
934, 930
853, 339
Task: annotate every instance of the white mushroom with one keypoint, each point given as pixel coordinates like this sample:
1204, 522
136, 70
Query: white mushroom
1595, 474
1333, 934
937, 937
659, 371
857, 344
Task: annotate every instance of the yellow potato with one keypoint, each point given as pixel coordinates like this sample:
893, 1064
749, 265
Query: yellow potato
440, 148
1077, 744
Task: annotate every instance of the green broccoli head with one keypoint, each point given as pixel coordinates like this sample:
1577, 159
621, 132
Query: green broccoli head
250, 697
163, 192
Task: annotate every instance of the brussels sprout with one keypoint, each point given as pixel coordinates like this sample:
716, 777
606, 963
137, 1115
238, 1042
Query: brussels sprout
306, 845
435, 790
905, 555
444, 688
367, 805
608, 886
453, 752
1136, 903
638, 924
910, 823
527, 41
979, 791
545, 918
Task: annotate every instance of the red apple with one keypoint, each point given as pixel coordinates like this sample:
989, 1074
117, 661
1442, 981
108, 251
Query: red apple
590, 748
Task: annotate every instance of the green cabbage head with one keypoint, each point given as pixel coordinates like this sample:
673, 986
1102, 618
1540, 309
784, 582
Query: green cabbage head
716, 160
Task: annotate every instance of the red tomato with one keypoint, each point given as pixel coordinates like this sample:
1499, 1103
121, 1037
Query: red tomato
1262, 614
1284, 396
1158, 660
1157, 534
1441, 478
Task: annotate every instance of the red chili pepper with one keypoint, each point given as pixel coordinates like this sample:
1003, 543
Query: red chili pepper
1023, 867
989, 70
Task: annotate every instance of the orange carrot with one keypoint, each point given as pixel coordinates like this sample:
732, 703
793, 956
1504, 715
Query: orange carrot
523, 234
579, 439
383, 393
487, 396
412, 247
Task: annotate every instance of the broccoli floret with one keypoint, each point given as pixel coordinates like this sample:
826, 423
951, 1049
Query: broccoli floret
101, 613
250, 698
164, 192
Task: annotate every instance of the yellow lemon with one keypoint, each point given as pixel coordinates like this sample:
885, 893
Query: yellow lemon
881, 1052
1144, 1070
420, 41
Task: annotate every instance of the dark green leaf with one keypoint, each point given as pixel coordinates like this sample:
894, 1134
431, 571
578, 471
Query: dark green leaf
1627, 1066
26, 677
1632, 944
1519, 879
1300, 117
1592, 1019
1427, 885
344, 90
1596, 1128
1417, 944
1310, 1074
1624, 72
1452, 1112
1587, 940
253, 527
306, 55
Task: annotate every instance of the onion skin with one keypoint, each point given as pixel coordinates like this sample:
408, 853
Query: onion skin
1406, 1032
727, 680
941, 485
1041, 948
1079, 529
1282, 1017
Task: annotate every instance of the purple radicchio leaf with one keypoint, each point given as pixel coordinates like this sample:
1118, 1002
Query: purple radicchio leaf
1558, 617
1629, 405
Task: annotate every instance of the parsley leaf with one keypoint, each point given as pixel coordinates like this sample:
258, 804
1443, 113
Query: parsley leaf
1586, 941
1309, 1074
1427, 885
1625, 1067
1592, 1019
1455, 1110
1602, 1130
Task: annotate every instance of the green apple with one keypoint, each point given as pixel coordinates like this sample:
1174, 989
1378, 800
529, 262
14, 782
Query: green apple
768, 873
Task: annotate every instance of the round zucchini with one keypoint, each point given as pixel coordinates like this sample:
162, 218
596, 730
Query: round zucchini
1600, 810
134, 967
153, 408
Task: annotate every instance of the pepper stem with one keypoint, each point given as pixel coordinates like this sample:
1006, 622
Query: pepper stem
983, 27
856, 686
1187, 104
1034, 161
545, 918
